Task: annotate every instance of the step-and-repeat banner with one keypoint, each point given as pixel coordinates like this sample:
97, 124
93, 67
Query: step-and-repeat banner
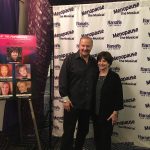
123, 29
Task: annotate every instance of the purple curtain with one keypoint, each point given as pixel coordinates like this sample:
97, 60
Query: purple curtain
9, 18
9, 15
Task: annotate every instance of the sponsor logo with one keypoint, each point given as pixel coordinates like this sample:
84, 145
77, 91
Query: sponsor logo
95, 33
126, 124
115, 69
93, 12
129, 101
62, 56
148, 82
115, 134
57, 46
56, 87
57, 98
145, 46
145, 70
55, 127
56, 77
125, 10
82, 24
56, 24
147, 127
144, 93
123, 58
126, 34
57, 67
144, 138
113, 47
57, 108
144, 116
63, 12
114, 23
58, 118
147, 105
146, 21
62, 35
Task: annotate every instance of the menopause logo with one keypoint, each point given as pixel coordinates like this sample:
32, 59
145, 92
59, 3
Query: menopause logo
146, 21
65, 13
147, 128
114, 23
148, 82
145, 70
113, 46
95, 35
144, 116
63, 35
144, 138
128, 10
94, 12
127, 80
82, 24
145, 93
128, 34
127, 58
145, 46
128, 124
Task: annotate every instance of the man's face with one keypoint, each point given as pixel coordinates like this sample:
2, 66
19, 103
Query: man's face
14, 55
85, 47
5, 89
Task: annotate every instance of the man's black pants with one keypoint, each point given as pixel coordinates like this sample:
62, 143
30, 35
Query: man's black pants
70, 119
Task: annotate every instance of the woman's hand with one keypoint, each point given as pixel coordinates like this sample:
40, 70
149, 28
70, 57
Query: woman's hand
67, 105
113, 117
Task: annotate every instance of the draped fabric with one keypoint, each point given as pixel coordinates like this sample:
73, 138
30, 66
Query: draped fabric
9, 19
40, 24
9, 15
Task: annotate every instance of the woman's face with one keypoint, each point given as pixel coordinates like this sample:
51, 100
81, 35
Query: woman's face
5, 89
103, 64
14, 55
23, 71
4, 71
22, 87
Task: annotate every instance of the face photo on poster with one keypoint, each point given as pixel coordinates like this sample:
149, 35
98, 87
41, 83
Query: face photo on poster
23, 89
14, 54
23, 71
6, 90
5, 72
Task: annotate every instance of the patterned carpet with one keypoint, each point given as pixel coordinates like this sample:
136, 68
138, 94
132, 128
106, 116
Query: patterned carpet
90, 146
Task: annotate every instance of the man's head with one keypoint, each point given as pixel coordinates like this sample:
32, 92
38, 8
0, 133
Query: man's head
85, 46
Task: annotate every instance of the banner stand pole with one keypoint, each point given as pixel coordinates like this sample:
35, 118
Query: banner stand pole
34, 123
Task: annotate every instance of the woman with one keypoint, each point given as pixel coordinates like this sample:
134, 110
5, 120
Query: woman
5, 88
109, 100
23, 72
23, 87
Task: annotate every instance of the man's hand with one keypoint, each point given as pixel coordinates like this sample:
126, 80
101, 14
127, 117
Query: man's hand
113, 117
67, 105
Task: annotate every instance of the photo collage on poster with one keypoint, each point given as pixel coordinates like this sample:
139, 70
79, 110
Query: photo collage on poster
14, 74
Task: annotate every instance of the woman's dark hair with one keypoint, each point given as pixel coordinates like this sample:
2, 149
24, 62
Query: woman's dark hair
105, 55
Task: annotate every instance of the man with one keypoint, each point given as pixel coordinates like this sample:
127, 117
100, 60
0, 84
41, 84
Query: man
77, 81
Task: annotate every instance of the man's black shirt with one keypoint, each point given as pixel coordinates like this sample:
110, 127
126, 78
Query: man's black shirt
77, 80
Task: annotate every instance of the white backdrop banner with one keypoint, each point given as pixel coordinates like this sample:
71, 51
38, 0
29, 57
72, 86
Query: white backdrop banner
123, 29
